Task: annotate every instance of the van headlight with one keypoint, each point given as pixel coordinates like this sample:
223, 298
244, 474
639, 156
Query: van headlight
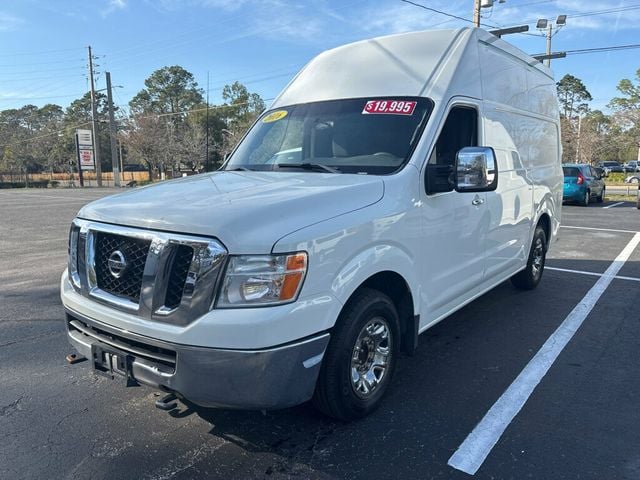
254, 280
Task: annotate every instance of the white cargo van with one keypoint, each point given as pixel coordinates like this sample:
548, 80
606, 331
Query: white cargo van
393, 181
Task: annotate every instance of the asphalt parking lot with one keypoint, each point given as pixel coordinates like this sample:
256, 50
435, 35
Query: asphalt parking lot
580, 421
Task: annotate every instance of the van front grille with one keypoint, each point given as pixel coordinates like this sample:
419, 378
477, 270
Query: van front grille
161, 276
134, 251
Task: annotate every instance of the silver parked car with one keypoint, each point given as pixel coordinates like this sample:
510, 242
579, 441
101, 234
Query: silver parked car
635, 178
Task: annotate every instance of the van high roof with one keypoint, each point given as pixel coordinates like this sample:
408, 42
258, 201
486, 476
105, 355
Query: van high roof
427, 64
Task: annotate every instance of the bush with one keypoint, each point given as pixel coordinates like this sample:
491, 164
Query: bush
615, 177
21, 184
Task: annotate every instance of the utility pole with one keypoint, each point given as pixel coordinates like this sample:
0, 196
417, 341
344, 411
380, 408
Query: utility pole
206, 148
547, 61
476, 12
94, 123
112, 134
578, 142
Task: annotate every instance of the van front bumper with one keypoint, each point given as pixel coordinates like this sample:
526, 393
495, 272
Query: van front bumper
270, 378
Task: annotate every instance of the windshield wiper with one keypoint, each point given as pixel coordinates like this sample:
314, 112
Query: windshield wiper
309, 166
243, 169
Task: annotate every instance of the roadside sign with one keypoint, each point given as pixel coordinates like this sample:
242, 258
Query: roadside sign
84, 147
85, 139
86, 159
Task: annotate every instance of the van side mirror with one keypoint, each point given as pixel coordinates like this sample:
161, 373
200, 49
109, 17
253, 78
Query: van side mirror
476, 170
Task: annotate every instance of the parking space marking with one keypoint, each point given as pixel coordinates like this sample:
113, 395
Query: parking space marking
600, 229
594, 274
57, 197
614, 205
474, 449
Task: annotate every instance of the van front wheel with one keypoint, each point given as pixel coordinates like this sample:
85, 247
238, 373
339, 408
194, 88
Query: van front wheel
361, 357
529, 278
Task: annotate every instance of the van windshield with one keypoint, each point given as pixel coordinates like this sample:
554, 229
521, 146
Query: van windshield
365, 136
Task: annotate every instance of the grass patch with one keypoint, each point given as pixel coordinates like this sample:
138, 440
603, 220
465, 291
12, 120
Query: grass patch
620, 198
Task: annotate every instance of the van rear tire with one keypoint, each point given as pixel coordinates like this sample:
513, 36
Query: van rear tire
361, 357
530, 277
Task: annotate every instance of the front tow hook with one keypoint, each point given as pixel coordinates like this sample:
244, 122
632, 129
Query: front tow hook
168, 402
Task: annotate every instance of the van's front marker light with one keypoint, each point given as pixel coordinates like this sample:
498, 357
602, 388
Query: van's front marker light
255, 280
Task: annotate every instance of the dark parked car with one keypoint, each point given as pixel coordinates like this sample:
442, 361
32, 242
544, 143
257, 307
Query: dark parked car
611, 167
631, 166
581, 184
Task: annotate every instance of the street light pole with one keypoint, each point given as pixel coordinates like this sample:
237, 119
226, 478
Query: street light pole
547, 62
545, 24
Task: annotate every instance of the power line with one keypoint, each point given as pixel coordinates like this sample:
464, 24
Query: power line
595, 12
42, 52
603, 49
66, 69
57, 132
40, 98
604, 12
613, 48
439, 11
53, 62
75, 75
224, 37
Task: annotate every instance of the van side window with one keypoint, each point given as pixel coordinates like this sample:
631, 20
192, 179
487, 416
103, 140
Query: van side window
460, 130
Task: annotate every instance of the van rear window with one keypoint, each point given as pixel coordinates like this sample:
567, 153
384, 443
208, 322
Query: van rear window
570, 171
366, 136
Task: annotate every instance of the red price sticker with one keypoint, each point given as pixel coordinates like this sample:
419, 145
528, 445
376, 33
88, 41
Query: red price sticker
393, 107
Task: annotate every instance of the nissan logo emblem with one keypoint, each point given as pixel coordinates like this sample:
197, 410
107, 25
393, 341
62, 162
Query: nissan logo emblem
117, 264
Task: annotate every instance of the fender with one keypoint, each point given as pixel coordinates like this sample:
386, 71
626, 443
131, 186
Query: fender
547, 205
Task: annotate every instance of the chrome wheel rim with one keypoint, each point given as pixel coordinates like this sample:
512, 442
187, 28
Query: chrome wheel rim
538, 258
371, 357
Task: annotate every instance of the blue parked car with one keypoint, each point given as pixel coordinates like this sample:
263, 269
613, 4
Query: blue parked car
582, 183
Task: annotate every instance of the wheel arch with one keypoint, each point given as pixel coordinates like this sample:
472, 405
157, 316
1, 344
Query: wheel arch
545, 222
394, 285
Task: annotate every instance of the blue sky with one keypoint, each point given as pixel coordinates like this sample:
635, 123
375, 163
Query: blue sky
262, 43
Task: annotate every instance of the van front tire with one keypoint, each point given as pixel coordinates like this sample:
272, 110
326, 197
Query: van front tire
529, 278
361, 357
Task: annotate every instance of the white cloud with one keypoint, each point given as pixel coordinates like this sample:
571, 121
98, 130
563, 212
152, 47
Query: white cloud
581, 15
9, 22
114, 5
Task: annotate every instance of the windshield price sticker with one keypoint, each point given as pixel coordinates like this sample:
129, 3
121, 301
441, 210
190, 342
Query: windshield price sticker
393, 107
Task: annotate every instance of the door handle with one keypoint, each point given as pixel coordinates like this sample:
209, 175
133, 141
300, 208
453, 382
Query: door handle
477, 201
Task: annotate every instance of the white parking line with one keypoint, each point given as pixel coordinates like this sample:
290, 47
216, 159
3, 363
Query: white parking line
614, 205
57, 197
475, 448
594, 274
599, 229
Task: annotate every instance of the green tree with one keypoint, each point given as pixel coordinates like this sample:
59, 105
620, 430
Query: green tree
572, 95
242, 107
627, 110
168, 90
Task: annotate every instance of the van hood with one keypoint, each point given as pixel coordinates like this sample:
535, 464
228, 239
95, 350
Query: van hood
247, 211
